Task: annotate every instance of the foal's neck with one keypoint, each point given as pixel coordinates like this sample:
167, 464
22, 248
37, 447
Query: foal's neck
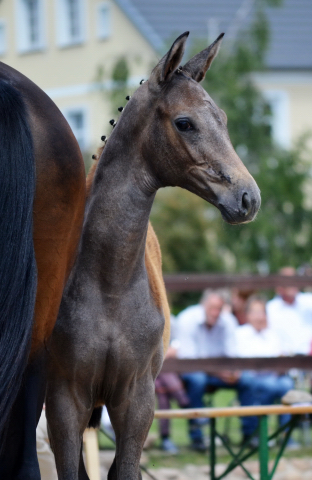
116, 220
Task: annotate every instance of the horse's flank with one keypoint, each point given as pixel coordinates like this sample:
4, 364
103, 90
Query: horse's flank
42, 200
153, 262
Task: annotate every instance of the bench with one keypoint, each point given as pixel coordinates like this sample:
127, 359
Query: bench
246, 450
212, 366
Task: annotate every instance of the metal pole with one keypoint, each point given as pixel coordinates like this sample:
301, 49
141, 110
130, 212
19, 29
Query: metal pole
212, 448
263, 447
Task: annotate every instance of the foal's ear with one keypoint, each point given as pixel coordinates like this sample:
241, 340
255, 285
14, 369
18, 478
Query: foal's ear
198, 65
170, 62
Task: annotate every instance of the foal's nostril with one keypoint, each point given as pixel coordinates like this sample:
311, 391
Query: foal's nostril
246, 204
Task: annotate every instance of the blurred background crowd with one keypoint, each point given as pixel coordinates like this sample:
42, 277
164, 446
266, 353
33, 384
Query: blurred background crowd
236, 324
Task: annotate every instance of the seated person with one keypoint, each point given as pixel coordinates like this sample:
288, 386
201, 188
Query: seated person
205, 331
169, 386
257, 339
290, 315
239, 299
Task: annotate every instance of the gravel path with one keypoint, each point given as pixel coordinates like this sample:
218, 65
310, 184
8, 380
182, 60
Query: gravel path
288, 469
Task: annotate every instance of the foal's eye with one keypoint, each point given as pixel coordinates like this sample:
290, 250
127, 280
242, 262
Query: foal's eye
184, 125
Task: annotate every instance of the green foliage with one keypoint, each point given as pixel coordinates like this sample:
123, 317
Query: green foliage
282, 231
189, 242
192, 234
120, 73
119, 78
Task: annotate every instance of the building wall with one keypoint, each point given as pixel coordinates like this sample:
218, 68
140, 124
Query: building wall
68, 73
290, 94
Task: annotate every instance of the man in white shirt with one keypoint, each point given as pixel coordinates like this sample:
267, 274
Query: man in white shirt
290, 316
257, 339
205, 331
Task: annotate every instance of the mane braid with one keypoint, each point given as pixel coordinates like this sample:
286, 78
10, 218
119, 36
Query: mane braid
91, 173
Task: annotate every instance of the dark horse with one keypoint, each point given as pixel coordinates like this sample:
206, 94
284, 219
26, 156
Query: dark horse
107, 345
42, 198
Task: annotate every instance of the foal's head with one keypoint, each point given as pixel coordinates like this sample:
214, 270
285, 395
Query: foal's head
183, 137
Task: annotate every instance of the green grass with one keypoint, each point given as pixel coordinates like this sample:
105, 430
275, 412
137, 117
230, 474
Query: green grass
222, 398
179, 427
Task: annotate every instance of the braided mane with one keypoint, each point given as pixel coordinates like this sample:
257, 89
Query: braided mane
91, 173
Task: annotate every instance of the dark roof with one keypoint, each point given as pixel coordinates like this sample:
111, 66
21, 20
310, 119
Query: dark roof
291, 25
141, 23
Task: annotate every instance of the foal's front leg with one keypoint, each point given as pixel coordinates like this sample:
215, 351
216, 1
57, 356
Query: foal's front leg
131, 420
67, 419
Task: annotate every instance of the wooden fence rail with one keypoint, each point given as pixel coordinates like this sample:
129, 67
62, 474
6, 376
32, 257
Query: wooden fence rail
214, 365
184, 282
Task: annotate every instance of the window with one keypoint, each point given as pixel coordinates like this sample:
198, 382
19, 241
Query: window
3, 46
77, 119
103, 20
32, 13
280, 124
30, 25
70, 22
74, 24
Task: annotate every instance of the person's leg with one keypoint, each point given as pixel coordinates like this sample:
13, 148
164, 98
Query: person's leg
261, 389
245, 390
270, 387
267, 388
196, 384
169, 385
247, 396
175, 388
283, 385
163, 404
213, 381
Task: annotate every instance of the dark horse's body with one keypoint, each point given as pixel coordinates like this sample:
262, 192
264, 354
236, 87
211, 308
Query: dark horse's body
42, 197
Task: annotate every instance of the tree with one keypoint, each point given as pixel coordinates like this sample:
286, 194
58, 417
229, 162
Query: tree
119, 78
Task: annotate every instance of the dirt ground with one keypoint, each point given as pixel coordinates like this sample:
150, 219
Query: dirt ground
288, 469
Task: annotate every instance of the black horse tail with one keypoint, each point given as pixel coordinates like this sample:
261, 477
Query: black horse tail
18, 272
95, 419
